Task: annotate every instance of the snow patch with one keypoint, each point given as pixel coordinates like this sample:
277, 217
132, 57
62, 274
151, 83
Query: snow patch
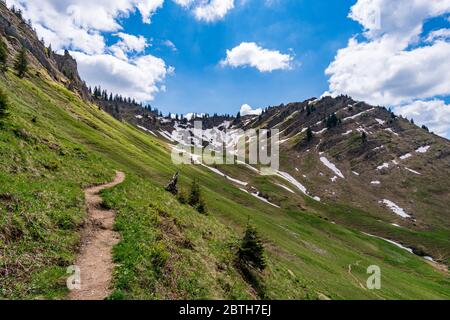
383, 166
392, 131
321, 131
413, 171
257, 196
146, 130
423, 149
406, 156
242, 183
166, 135
285, 188
347, 133
286, 176
378, 148
358, 115
332, 167
395, 208
380, 122
392, 242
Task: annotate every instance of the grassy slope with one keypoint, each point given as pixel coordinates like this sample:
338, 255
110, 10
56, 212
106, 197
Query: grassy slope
168, 250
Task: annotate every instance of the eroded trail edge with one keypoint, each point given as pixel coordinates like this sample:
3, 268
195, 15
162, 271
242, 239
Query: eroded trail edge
95, 259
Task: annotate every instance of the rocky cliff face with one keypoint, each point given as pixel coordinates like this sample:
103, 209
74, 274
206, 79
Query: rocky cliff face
18, 33
67, 65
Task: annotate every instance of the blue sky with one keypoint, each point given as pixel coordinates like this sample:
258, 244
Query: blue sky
216, 55
311, 31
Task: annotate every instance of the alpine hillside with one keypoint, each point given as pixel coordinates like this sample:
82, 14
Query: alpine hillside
358, 187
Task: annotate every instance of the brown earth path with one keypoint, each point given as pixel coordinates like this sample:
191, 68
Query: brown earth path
95, 259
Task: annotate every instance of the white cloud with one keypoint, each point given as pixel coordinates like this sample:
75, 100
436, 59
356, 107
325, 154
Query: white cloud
441, 34
393, 65
78, 25
148, 7
246, 110
170, 45
435, 114
128, 44
208, 10
250, 54
213, 10
140, 77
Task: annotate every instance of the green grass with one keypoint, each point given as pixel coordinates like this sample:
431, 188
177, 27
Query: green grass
168, 250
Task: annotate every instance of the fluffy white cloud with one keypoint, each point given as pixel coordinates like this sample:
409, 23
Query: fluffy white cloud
246, 110
139, 77
400, 18
393, 65
208, 10
78, 25
128, 44
250, 54
148, 7
435, 114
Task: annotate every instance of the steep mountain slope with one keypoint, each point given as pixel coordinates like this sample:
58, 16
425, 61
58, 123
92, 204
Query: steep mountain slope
379, 173
55, 143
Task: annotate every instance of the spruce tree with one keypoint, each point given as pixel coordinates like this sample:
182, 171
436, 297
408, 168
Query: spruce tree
3, 105
309, 134
195, 198
21, 64
251, 251
3, 54
364, 137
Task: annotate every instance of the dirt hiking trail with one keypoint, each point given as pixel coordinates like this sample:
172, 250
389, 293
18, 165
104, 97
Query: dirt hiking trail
98, 238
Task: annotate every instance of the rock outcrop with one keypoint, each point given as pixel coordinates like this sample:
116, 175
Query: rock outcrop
18, 33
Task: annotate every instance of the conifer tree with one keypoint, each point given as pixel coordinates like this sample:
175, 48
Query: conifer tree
309, 134
3, 54
21, 64
364, 137
195, 197
3, 105
251, 250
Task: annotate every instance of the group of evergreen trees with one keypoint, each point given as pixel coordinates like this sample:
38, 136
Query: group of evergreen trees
332, 121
